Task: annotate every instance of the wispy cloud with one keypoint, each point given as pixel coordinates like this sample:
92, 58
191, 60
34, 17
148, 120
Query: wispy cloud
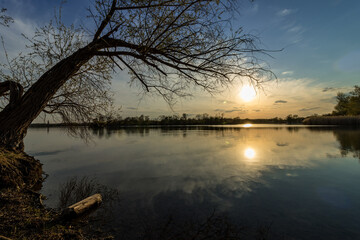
331, 100
295, 32
235, 109
284, 12
131, 108
14, 41
290, 24
225, 101
328, 89
241, 111
308, 109
295, 96
287, 73
280, 101
296, 29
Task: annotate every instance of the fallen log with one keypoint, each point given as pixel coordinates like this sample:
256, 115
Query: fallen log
83, 207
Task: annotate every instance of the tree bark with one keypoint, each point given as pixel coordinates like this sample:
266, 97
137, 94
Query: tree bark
17, 116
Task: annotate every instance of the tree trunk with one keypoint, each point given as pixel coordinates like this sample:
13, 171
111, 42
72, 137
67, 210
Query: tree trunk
16, 118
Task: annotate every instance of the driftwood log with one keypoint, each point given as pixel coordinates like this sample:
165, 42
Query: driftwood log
83, 207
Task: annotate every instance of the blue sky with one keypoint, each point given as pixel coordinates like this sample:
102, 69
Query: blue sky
320, 56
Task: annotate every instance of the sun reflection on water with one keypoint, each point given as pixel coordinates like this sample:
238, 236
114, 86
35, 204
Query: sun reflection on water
249, 153
247, 125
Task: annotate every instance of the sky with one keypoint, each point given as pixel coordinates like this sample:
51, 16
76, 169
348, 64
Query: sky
319, 56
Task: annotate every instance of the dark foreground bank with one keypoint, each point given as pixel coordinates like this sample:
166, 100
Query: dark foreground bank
22, 213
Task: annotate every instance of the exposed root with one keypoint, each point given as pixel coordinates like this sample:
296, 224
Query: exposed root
19, 170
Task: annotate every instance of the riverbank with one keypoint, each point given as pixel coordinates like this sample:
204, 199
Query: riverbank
22, 213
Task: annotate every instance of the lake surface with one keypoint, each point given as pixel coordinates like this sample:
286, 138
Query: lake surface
291, 182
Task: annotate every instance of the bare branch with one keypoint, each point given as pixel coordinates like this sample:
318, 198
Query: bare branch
4, 19
106, 20
135, 73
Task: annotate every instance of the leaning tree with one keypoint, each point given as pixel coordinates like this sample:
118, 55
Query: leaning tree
167, 46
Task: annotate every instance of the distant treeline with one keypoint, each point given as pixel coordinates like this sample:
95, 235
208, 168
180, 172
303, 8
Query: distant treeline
200, 119
333, 120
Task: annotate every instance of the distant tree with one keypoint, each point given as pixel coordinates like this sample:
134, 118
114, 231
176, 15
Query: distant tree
184, 116
354, 102
168, 46
348, 104
341, 107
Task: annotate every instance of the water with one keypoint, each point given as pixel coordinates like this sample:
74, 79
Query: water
301, 183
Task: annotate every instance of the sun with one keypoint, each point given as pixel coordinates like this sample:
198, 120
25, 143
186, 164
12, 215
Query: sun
247, 93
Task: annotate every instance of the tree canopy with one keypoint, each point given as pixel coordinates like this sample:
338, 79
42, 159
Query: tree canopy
86, 93
168, 47
348, 103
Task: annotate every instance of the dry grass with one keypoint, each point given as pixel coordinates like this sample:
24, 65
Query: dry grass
23, 217
19, 170
22, 214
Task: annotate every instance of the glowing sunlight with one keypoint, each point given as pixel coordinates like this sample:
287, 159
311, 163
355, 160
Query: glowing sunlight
247, 93
247, 125
249, 153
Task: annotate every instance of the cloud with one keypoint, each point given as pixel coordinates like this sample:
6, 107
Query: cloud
225, 101
300, 94
14, 41
331, 100
284, 12
131, 108
280, 101
235, 109
256, 110
287, 73
242, 111
296, 29
328, 89
308, 109
295, 32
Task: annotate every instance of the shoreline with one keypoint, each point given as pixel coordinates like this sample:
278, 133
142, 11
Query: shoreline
22, 213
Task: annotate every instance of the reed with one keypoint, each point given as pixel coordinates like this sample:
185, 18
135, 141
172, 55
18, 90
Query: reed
333, 120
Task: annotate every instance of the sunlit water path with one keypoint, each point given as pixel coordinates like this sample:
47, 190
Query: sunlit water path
303, 182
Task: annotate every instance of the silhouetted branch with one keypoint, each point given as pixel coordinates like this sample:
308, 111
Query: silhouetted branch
15, 89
